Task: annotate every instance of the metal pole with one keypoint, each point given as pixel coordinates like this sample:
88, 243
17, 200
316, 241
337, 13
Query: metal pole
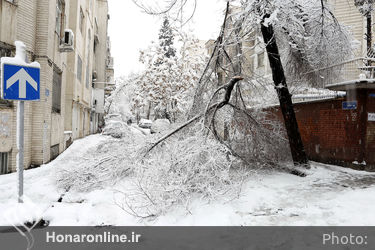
20, 141
21, 52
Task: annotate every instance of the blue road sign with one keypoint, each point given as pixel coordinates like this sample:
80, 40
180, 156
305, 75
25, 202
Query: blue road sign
349, 105
20, 82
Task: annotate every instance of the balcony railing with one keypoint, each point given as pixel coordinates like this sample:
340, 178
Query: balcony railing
358, 69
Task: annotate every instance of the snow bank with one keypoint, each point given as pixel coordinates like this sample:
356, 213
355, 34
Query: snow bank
328, 196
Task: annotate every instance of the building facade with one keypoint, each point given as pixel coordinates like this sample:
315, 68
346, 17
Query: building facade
348, 14
110, 82
64, 37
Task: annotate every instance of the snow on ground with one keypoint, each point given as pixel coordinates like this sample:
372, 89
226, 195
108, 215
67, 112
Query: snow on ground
329, 195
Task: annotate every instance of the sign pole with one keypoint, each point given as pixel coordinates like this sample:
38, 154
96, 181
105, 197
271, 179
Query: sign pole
20, 133
18, 71
20, 142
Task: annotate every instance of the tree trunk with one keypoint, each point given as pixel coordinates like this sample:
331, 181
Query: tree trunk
286, 105
149, 111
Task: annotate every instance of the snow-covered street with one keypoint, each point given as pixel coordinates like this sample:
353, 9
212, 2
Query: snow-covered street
144, 124
329, 195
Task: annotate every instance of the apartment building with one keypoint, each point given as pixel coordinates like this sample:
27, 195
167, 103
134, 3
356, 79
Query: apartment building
84, 96
68, 39
348, 14
110, 82
101, 76
254, 60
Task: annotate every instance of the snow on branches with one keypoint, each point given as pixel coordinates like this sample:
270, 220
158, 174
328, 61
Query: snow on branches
186, 168
365, 6
308, 34
168, 80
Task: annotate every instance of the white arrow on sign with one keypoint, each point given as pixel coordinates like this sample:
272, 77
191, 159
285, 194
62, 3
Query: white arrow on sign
22, 76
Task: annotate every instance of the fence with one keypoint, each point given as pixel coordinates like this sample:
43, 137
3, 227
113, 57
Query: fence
361, 68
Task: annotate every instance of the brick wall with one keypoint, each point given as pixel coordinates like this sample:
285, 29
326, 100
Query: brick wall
370, 131
333, 135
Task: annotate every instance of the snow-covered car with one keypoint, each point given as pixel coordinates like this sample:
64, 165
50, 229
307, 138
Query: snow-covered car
144, 123
160, 125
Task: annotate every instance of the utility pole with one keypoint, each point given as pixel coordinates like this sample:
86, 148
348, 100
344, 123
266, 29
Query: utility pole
285, 98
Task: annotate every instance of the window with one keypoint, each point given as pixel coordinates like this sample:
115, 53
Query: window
56, 92
87, 76
5, 51
60, 17
88, 59
81, 20
95, 45
96, 36
79, 68
4, 163
261, 60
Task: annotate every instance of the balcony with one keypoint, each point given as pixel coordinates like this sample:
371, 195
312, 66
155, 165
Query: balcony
358, 72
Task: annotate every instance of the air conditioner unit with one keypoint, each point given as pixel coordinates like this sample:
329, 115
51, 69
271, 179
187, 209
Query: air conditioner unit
67, 42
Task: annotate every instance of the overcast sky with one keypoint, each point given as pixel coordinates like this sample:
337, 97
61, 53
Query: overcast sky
131, 29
